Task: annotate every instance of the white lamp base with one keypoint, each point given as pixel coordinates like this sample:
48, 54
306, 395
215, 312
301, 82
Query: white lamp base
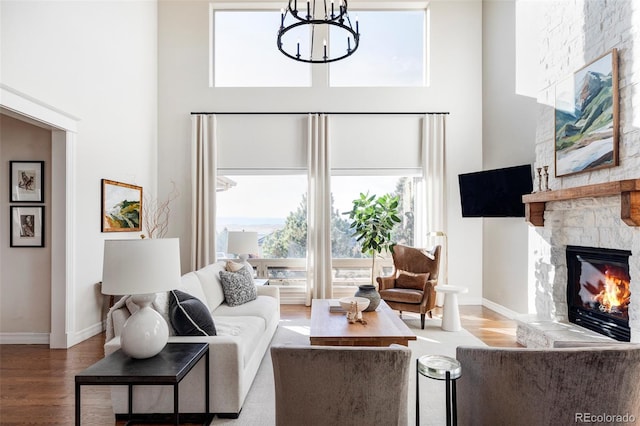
145, 333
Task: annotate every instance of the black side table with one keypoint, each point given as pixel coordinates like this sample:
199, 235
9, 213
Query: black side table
169, 367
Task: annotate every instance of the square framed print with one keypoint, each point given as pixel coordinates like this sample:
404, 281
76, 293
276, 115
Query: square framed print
587, 118
121, 207
26, 179
27, 226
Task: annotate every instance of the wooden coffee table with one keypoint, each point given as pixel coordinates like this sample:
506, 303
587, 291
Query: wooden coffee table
384, 327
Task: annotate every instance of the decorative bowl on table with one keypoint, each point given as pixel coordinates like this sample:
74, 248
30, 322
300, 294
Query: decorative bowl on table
361, 303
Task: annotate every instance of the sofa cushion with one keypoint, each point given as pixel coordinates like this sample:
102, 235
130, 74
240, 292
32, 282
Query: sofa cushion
412, 281
265, 307
189, 316
238, 287
248, 329
232, 266
404, 295
190, 283
209, 277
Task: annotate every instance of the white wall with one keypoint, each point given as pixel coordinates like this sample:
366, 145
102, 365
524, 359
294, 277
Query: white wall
456, 87
25, 273
509, 131
96, 60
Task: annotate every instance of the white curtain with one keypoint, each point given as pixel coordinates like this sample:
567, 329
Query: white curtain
203, 181
432, 193
319, 281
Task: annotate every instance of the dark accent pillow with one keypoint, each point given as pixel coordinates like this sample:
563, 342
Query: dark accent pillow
238, 287
189, 316
413, 281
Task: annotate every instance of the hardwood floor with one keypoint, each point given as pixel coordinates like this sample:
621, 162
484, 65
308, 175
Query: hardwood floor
37, 383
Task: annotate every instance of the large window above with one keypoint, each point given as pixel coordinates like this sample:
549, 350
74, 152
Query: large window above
245, 53
392, 51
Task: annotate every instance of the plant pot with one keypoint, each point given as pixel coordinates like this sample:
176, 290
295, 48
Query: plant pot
369, 291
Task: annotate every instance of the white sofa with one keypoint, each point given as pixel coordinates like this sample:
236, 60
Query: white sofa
244, 334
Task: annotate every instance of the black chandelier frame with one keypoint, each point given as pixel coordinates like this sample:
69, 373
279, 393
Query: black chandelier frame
331, 19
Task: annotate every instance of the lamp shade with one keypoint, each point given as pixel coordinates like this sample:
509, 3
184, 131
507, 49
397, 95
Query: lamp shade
242, 243
140, 266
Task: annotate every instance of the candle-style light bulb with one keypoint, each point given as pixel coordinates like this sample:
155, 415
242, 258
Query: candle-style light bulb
281, 18
298, 49
324, 45
332, 10
357, 26
308, 10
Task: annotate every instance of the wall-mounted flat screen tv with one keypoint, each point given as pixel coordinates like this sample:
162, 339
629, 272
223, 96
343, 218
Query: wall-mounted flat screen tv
495, 193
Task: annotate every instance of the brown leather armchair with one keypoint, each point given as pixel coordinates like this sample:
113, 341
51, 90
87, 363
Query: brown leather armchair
411, 287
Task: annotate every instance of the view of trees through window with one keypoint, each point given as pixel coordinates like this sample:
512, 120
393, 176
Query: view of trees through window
276, 208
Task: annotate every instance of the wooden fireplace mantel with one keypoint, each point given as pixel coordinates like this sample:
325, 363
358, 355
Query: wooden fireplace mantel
629, 191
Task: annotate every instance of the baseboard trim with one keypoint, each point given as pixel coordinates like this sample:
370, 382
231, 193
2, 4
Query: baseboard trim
45, 338
500, 309
87, 333
24, 338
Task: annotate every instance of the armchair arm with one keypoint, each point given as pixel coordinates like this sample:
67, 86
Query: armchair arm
429, 299
385, 283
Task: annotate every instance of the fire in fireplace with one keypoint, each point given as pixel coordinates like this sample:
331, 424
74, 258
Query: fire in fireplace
598, 293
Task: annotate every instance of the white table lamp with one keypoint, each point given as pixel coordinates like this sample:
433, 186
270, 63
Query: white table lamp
141, 268
242, 244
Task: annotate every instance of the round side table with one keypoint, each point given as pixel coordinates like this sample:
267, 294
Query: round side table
439, 367
450, 311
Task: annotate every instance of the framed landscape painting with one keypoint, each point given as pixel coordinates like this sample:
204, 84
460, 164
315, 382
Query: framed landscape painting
121, 207
586, 118
27, 226
26, 179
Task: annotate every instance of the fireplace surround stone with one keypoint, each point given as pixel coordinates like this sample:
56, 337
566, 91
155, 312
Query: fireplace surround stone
589, 222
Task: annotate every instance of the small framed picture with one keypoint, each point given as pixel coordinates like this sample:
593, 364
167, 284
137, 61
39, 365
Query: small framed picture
27, 226
121, 207
27, 181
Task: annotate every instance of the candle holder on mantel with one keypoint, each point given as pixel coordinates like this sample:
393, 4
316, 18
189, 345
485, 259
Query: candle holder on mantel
539, 170
545, 174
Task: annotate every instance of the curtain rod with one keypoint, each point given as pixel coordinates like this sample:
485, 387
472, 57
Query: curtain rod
306, 113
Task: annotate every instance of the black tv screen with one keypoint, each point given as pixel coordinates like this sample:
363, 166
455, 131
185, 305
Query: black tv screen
495, 193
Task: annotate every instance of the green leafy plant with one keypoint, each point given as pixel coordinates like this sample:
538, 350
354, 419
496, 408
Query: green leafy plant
373, 218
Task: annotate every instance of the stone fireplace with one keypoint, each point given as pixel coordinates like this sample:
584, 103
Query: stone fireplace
573, 36
589, 222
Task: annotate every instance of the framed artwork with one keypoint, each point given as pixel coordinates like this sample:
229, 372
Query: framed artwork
121, 207
587, 118
27, 226
26, 179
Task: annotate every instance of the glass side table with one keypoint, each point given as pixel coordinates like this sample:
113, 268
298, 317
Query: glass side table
439, 367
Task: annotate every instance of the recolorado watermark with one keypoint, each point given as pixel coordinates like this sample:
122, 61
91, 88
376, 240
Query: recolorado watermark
604, 418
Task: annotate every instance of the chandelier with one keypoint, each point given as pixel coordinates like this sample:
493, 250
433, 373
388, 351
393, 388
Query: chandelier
314, 22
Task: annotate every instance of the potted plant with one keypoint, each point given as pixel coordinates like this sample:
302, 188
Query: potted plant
373, 218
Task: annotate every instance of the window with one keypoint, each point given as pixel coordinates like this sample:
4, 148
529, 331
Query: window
245, 53
391, 51
263, 178
347, 188
274, 206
